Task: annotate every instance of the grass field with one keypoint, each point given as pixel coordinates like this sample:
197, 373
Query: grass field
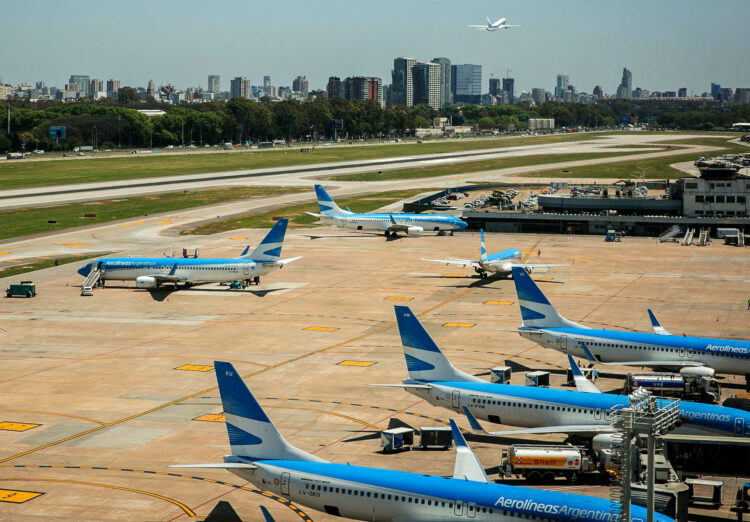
10, 271
29, 221
297, 216
657, 168
20, 174
473, 166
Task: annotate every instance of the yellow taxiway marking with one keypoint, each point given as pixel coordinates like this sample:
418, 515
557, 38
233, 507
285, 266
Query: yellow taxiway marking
238, 238
73, 244
131, 224
320, 329
189, 512
210, 417
581, 260
17, 496
499, 302
396, 298
460, 325
454, 275
355, 363
4, 253
16, 426
542, 278
195, 368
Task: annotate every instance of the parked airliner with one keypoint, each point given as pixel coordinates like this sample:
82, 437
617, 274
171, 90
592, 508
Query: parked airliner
494, 26
389, 223
151, 272
263, 457
696, 355
498, 263
538, 410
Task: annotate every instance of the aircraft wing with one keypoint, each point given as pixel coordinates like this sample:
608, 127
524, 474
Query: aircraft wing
453, 261
570, 428
283, 262
651, 364
313, 214
481, 27
582, 383
467, 466
405, 385
217, 465
504, 26
540, 267
170, 277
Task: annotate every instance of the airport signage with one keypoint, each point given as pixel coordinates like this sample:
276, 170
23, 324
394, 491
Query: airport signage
337, 124
57, 132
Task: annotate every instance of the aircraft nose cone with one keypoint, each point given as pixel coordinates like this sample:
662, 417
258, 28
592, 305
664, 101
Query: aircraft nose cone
462, 224
84, 270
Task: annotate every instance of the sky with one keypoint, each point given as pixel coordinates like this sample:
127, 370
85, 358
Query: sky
666, 44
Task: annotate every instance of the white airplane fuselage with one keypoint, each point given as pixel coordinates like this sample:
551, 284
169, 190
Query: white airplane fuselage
724, 356
415, 223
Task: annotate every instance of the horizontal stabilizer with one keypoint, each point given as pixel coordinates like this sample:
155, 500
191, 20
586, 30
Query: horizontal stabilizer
283, 262
467, 466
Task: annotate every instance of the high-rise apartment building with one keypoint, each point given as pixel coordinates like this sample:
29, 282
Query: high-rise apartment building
82, 82
402, 83
363, 88
214, 83
538, 95
151, 88
716, 91
445, 80
598, 92
466, 83
113, 85
267, 85
562, 86
426, 79
95, 86
495, 87
334, 88
239, 87
625, 89
508, 89
682, 92
300, 85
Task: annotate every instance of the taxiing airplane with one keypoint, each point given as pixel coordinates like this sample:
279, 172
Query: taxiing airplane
690, 355
389, 223
152, 272
498, 263
586, 412
263, 457
500, 24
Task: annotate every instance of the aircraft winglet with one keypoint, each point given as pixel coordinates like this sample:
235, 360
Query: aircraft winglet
473, 422
467, 466
174, 269
266, 515
658, 329
582, 383
589, 356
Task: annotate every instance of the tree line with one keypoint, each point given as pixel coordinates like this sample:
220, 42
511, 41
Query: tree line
117, 123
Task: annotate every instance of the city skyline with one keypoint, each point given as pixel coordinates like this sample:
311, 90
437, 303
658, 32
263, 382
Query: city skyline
585, 40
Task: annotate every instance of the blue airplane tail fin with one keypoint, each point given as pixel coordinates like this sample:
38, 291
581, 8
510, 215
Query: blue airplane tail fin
424, 360
252, 435
326, 204
482, 247
270, 248
536, 310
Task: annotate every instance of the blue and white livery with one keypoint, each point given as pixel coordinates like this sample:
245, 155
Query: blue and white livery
261, 456
585, 412
152, 272
498, 263
494, 26
390, 224
691, 355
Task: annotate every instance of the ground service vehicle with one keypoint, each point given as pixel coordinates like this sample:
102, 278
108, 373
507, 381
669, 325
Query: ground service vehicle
22, 289
543, 463
684, 385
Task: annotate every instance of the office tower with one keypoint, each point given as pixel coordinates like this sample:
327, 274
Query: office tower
538, 95
495, 89
334, 88
95, 86
239, 87
508, 89
113, 85
151, 88
402, 86
426, 78
445, 80
625, 89
716, 91
81, 81
214, 83
682, 92
300, 85
267, 85
39, 85
562, 86
598, 92
466, 83
363, 88
742, 95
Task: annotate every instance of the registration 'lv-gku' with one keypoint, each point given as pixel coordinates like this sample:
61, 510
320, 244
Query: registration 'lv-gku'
261, 456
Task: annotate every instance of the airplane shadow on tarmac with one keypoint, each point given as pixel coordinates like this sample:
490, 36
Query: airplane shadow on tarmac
361, 235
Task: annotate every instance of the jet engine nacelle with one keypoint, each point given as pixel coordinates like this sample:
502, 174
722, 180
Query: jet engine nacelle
146, 282
605, 441
414, 231
697, 371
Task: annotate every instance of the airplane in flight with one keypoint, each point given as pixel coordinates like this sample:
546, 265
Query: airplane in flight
390, 223
494, 26
498, 263
585, 412
263, 457
689, 355
152, 272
